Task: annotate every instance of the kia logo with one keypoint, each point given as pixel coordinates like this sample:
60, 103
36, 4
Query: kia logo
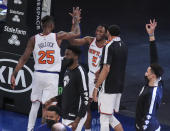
23, 78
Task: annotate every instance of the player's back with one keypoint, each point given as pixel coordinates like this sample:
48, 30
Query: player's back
47, 53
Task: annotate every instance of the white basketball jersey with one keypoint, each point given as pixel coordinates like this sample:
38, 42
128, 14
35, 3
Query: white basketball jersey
94, 56
47, 53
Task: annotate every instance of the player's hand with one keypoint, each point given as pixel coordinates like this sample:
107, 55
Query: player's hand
150, 28
73, 125
76, 15
13, 82
95, 95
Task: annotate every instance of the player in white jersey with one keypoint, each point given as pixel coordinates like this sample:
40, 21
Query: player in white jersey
96, 45
46, 51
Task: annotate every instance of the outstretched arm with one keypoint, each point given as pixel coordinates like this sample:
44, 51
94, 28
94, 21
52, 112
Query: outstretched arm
150, 28
81, 41
29, 49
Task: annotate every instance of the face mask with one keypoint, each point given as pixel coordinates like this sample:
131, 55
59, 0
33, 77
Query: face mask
146, 80
50, 123
67, 62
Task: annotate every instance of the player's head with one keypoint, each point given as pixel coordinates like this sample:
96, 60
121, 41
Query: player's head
58, 127
113, 30
72, 54
47, 22
154, 71
52, 115
101, 32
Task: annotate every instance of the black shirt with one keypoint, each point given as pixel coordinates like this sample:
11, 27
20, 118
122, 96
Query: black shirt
75, 93
115, 55
149, 101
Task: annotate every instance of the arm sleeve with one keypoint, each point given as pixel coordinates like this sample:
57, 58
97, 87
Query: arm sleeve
149, 108
84, 96
108, 54
153, 53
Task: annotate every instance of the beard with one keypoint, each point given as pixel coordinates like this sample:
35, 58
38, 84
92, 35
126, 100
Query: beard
67, 62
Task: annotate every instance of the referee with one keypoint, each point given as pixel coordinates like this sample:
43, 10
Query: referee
75, 93
112, 75
151, 94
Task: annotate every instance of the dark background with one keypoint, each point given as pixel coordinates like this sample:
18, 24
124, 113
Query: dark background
131, 16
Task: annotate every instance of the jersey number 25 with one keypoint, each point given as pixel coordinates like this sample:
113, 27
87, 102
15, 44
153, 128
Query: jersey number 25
48, 55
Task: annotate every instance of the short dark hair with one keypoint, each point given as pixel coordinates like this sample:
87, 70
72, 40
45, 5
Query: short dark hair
54, 108
157, 69
75, 49
46, 20
105, 27
114, 30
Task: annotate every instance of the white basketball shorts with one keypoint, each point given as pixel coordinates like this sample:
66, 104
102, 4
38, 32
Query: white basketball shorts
44, 86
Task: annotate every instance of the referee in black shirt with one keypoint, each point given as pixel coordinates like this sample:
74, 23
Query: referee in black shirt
150, 96
111, 78
75, 92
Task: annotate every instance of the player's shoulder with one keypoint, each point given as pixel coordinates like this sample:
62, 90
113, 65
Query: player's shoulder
81, 70
89, 39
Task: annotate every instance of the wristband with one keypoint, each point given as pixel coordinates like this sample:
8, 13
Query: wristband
95, 88
151, 35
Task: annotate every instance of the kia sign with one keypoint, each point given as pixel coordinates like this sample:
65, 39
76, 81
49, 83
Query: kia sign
23, 78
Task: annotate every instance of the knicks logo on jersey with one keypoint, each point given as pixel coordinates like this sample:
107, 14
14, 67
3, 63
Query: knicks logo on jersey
95, 56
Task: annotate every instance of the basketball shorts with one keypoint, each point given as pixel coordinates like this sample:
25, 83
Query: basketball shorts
44, 86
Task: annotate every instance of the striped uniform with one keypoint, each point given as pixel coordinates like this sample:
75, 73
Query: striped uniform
115, 55
148, 103
94, 57
149, 100
75, 96
47, 67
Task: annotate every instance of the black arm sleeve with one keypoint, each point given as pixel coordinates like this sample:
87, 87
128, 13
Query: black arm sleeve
83, 88
153, 53
108, 54
149, 108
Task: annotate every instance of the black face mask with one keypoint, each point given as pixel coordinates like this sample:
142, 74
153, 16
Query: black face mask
146, 80
67, 62
50, 123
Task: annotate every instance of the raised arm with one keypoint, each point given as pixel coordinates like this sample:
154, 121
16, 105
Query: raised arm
24, 58
150, 28
75, 30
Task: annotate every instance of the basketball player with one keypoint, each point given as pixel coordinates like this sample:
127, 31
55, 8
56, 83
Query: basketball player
52, 118
75, 92
46, 51
96, 45
111, 78
150, 96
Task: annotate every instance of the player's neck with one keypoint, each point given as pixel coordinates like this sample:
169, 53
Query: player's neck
111, 37
100, 43
153, 82
46, 32
73, 66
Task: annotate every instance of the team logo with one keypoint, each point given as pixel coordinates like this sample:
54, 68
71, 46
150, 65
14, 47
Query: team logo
19, 2
23, 78
66, 80
16, 18
14, 40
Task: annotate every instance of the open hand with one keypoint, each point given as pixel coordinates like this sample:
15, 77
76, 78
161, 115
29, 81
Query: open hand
150, 28
76, 15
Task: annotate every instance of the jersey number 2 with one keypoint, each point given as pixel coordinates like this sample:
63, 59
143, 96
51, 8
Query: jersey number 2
48, 55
